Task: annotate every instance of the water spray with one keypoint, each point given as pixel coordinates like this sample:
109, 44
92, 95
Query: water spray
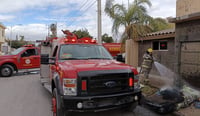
173, 80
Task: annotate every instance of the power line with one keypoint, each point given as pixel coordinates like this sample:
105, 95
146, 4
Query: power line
83, 5
80, 9
83, 12
70, 15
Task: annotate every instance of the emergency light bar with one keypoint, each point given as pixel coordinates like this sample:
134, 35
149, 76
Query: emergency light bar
70, 40
30, 45
82, 40
86, 40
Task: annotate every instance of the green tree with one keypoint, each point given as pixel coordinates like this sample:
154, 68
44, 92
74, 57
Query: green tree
134, 19
82, 33
159, 24
17, 43
106, 38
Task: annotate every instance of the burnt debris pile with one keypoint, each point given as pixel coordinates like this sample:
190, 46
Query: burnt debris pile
172, 96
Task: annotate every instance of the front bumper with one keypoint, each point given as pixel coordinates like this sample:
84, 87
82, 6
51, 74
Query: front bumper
100, 103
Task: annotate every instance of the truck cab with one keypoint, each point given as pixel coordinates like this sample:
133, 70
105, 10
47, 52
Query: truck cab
83, 76
26, 57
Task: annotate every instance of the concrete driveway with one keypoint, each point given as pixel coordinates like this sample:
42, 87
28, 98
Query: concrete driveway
23, 95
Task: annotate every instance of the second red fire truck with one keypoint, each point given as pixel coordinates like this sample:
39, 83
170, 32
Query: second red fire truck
83, 76
26, 57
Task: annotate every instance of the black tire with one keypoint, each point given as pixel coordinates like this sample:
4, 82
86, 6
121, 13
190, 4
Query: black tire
131, 107
6, 70
59, 109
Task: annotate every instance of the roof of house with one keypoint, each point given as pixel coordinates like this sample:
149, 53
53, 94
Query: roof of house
168, 33
189, 17
2, 26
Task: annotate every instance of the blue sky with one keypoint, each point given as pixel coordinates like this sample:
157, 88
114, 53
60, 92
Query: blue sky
31, 18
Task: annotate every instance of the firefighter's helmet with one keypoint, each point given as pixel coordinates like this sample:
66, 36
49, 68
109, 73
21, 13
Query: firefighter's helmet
150, 50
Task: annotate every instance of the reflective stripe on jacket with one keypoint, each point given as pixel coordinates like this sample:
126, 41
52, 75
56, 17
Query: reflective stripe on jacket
148, 61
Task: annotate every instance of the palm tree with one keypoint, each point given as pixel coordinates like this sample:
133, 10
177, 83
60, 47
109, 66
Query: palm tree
135, 19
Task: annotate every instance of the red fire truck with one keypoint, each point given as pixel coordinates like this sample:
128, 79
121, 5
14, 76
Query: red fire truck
113, 48
83, 76
25, 57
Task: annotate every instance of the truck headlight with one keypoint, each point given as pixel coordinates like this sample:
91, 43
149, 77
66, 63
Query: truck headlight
70, 87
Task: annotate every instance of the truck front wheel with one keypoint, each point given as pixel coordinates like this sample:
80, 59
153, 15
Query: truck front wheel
56, 105
6, 70
131, 107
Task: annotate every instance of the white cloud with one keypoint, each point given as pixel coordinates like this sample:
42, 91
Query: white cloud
5, 18
88, 19
30, 32
9, 6
60, 11
164, 8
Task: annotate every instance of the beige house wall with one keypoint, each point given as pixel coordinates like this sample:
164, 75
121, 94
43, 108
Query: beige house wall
186, 7
2, 34
131, 53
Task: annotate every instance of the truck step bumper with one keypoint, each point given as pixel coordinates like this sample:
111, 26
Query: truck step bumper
101, 104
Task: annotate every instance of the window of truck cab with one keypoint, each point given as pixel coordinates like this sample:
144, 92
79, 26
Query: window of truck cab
30, 52
83, 51
17, 51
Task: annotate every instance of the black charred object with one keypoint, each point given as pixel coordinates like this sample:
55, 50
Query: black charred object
164, 101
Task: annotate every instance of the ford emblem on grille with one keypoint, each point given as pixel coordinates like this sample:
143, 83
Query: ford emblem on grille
110, 84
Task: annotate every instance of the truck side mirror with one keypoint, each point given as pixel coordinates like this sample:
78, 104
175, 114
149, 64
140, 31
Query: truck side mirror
120, 58
44, 59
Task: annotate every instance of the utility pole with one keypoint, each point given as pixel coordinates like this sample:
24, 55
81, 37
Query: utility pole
99, 21
128, 4
11, 33
11, 36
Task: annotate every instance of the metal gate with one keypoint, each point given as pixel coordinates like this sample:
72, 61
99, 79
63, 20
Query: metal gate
190, 59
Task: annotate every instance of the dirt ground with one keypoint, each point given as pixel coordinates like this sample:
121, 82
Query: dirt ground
156, 82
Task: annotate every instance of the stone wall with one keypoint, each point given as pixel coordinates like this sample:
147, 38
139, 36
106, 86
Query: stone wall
188, 31
188, 48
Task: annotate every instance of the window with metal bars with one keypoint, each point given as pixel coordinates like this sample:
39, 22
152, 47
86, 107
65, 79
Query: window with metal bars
160, 45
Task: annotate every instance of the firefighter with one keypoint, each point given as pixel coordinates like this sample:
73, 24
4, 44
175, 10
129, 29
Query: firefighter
147, 65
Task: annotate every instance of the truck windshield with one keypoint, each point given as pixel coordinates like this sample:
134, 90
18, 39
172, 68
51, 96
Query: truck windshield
82, 51
17, 51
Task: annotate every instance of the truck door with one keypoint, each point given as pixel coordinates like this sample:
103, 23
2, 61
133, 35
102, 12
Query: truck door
30, 58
